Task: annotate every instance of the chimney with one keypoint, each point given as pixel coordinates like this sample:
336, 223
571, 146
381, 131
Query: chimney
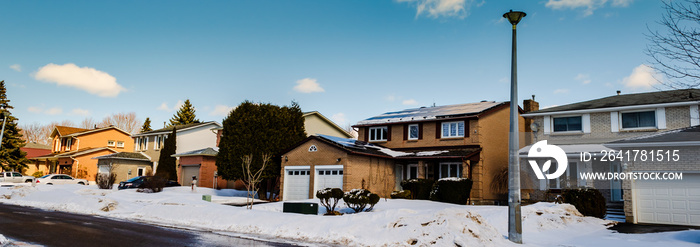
530, 105
619, 92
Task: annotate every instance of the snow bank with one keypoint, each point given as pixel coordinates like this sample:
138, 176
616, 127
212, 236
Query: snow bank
394, 222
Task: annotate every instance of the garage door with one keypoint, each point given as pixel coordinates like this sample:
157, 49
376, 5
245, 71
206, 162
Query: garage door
674, 202
296, 184
328, 177
187, 173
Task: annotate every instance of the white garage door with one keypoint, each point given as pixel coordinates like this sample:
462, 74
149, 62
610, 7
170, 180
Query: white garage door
674, 202
296, 184
328, 177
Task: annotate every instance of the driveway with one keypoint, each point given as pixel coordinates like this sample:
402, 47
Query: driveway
51, 228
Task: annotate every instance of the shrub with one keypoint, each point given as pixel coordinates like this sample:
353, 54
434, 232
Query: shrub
358, 199
105, 181
404, 194
329, 198
38, 174
152, 184
588, 201
420, 188
452, 190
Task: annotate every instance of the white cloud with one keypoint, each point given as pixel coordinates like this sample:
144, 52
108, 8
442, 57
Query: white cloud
16, 67
442, 8
54, 111
81, 112
308, 85
390, 98
409, 102
164, 106
221, 110
621, 3
642, 77
561, 91
339, 119
35, 109
88, 79
583, 78
588, 6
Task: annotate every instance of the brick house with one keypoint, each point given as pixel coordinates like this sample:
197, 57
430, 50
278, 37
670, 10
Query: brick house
663, 201
586, 126
125, 165
34, 149
74, 148
465, 140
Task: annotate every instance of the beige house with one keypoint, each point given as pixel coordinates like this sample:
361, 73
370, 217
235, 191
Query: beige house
466, 140
125, 165
317, 124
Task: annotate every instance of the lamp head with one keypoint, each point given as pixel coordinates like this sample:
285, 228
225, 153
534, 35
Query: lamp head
514, 16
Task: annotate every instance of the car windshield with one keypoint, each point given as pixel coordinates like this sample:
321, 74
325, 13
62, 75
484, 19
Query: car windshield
133, 179
45, 176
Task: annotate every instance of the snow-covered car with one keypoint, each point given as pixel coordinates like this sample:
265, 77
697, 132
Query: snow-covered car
15, 177
55, 179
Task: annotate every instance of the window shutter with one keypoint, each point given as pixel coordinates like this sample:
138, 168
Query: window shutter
438, 129
661, 118
388, 133
420, 131
614, 122
586, 123
547, 125
405, 132
366, 133
466, 128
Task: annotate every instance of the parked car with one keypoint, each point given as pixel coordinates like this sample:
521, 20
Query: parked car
137, 182
54, 179
15, 177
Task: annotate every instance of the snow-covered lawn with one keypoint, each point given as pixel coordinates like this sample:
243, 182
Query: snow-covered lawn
392, 223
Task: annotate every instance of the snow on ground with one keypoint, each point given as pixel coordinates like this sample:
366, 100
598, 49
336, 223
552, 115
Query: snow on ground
394, 222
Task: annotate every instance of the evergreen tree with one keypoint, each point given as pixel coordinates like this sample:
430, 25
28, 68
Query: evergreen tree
258, 129
185, 115
167, 167
11, 157
146, 125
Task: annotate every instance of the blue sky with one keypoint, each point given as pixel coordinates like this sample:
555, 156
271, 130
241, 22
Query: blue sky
349, 60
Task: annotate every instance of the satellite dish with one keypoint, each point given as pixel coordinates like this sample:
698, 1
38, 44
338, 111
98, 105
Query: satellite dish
534, 127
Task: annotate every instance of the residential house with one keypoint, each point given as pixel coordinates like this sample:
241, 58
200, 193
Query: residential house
465, 140
190, 137
202, 162
674, 196
125, 165
74, 148
34, 149
584, 127
317, 124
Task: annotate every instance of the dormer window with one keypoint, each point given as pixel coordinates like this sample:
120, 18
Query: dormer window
568, 124
378, 134
644, 119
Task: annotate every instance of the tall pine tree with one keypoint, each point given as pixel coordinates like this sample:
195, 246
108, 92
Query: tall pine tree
11, 157
258, 129
167, 167
185, 115
146, 125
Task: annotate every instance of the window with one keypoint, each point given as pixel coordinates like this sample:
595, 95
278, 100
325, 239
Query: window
378, 133
156, 143
120, 144
104, 169
453, 129
136, 144
413, 131
110, 143
69, 142
645, 119
450, 170
313, 148
564, 124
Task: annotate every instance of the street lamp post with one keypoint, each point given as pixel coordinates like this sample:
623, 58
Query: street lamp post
515, 230
2, 132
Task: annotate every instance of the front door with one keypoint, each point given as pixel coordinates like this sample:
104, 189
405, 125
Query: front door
412, 171
615, 184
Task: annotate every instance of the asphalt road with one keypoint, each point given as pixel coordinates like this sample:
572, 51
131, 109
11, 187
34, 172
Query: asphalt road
49, 228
